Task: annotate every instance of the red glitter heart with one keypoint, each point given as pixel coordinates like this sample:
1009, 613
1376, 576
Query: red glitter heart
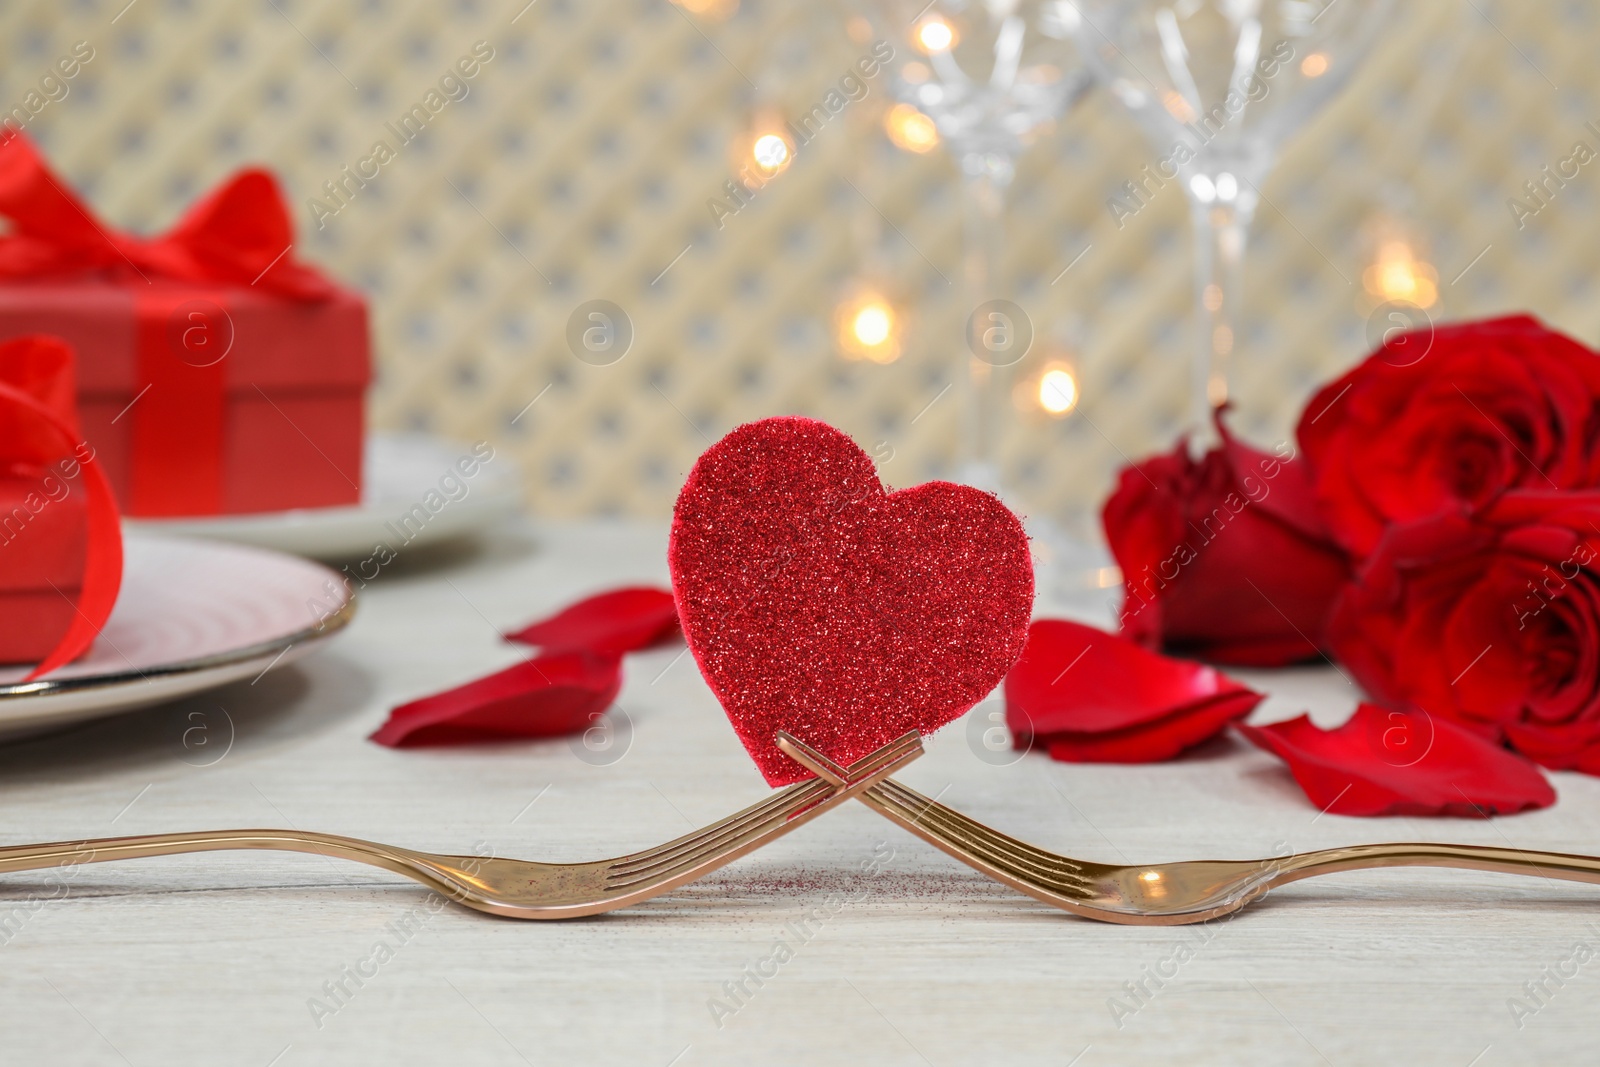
815, 602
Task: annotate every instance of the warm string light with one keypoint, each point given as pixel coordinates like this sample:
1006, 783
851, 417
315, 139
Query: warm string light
934, 34
868, 327
910, 129
712, 9
1058, 391
1053, 390
771, 152
1177, 106
1399, 274
871, 325
764, 149
1314, 65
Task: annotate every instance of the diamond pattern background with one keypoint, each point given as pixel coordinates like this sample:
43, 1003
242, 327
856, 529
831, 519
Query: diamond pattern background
579, 164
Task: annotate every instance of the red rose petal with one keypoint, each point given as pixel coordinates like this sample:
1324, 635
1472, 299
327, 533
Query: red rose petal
620, 620
1561, 748
1447, 418
1385, 762
1479, 649
541, 697
1490, 620
1224, 557
1292, 498
1089, 695
1159, 740
1080, 679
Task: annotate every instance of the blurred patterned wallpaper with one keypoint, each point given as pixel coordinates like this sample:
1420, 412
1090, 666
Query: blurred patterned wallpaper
571, 149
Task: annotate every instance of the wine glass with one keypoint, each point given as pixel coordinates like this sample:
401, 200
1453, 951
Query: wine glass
1218, 86
991, 75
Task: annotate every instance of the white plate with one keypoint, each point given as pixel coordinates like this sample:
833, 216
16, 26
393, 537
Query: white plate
191, 615
400, 472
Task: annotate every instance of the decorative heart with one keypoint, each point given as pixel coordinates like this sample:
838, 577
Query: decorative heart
815, 602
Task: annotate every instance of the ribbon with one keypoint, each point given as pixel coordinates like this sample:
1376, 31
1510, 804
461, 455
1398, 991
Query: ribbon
38, 427
238, 234
179, 427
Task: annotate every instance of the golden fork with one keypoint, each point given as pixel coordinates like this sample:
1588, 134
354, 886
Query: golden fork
516, 888
1163, 894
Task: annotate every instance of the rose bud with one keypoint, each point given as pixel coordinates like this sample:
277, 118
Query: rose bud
1223, 557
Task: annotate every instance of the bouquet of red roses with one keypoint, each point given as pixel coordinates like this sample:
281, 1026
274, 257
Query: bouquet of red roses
1436, 533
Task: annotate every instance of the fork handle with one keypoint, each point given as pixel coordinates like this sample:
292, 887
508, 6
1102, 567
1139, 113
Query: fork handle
103, 850
1563, 865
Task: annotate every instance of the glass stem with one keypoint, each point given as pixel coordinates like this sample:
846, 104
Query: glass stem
1220, 229
985, 182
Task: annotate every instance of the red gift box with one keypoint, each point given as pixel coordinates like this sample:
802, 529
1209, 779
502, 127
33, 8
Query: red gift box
217, 374
274, 422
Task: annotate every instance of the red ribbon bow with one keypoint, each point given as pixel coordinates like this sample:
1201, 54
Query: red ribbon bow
239, 233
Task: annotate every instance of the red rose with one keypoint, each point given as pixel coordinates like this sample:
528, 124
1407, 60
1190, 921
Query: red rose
1223, 557
1430, 425
1492, 619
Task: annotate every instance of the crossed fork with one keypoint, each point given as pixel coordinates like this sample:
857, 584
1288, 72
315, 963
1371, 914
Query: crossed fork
1160, 895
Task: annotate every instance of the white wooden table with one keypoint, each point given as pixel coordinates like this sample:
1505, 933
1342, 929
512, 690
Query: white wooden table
225, 958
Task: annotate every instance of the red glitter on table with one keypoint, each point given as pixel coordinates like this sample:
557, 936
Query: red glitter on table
815, 602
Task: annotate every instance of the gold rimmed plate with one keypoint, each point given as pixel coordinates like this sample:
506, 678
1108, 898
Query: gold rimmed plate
191, 615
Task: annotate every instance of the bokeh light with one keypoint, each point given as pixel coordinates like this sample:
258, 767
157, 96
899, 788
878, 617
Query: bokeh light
1398, 273
935, 35
771, 152
711, 9
1058, 391
868, 326
910, 129
764, 148
1052, 390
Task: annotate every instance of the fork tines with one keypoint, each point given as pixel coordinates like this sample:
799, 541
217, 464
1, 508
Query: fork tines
693, 849
947, 827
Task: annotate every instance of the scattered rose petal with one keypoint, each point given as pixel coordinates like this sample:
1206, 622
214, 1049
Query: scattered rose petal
1385, 762
1087, 695
620, 620
541, 697
1157, 740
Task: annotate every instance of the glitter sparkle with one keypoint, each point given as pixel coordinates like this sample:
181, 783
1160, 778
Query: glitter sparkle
817, 603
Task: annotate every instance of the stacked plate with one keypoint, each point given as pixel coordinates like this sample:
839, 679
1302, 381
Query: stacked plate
196, 611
